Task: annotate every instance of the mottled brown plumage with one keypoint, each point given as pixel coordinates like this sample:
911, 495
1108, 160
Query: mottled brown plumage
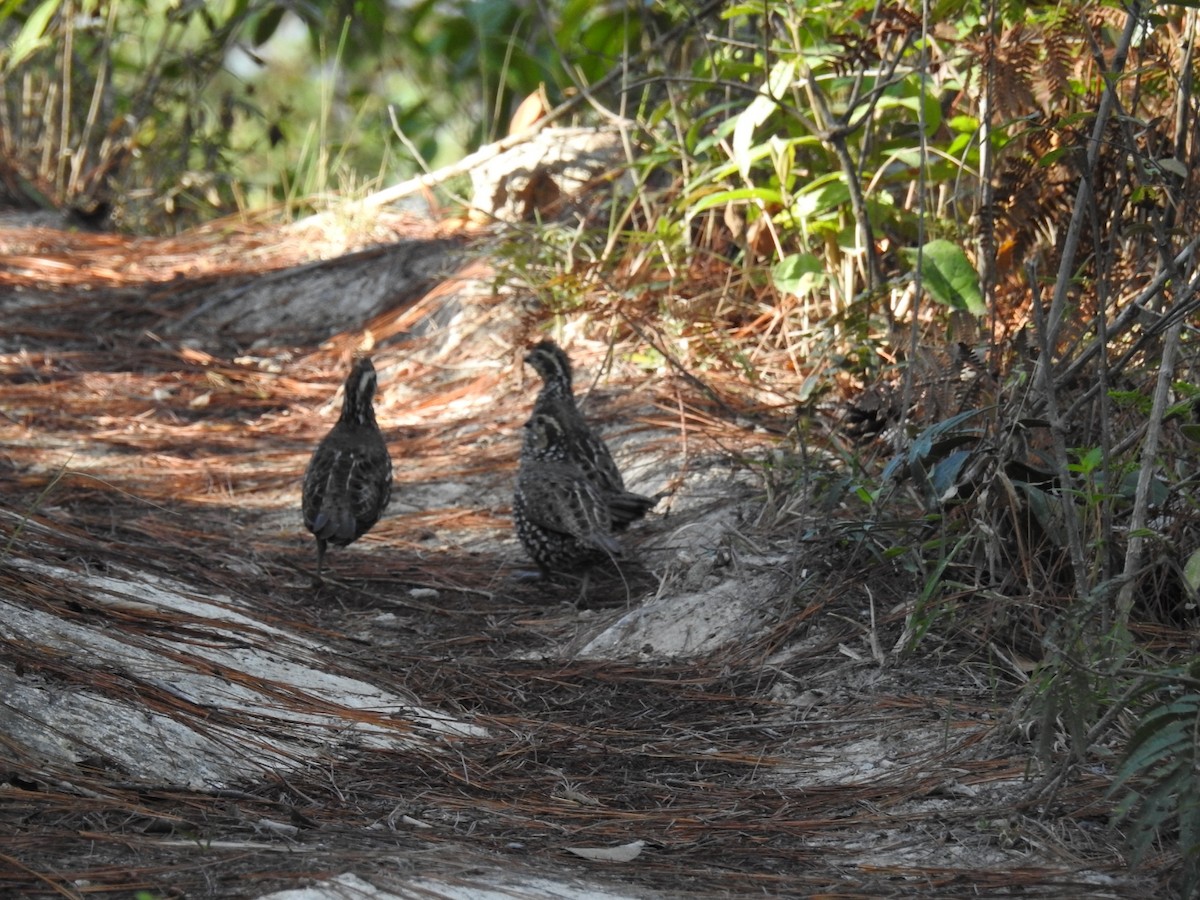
570, 496
561, 518
577, 443
348, 482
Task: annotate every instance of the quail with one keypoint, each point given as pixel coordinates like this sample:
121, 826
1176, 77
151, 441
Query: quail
562, 518
576, 443
348, 481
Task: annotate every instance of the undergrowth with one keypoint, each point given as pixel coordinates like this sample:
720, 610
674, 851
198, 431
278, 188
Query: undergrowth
956, 260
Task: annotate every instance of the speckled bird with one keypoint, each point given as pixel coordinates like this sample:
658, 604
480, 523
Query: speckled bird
348, 482
562, 519
575, 442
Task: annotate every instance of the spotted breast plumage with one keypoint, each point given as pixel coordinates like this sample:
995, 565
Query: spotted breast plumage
561, 517
348, 482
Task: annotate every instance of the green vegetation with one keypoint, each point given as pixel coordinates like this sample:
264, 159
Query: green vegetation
175, 112
810, 178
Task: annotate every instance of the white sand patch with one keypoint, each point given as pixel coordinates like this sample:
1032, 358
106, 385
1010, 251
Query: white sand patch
211, 699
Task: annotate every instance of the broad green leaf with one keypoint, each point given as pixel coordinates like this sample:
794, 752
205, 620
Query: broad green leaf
742, 9
32, 36
938, 430
826, 192
933, 109
1047, 509
798, 273
948, 276
738, 195
759, 110
1126, 487
960, 143
1173, 166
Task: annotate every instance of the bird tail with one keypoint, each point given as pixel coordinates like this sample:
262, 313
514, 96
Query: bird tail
335, 523
626, 507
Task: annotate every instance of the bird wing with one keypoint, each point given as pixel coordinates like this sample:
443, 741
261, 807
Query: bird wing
596, 456
327, 510
559, 498
345, 491
369, 483
583, 445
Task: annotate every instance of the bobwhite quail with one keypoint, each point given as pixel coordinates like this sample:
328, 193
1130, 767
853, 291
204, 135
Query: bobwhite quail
577, 443
561, 517
349, 479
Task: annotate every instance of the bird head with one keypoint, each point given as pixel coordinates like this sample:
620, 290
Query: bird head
359, 393
549, 361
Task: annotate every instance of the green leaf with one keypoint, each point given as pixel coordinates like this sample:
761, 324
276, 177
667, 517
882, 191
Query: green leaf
1047, 509
798, 273
948, 276
1173, 166
742, 9
1089, 461
827, 192
7, 8
1126, 487
939, 430
783, 73
1191, 574
1154, 813
935, 443
738, 195
1189, 843
32, 36
1158, 740
933, 110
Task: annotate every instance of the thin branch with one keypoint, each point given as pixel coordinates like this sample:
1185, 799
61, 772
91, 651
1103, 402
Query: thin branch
1066, 268
1149, 463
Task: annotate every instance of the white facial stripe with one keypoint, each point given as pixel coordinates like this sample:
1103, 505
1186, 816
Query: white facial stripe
366, 383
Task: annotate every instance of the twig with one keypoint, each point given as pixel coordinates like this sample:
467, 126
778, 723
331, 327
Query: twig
1137, 522
1066, 267
1048, 386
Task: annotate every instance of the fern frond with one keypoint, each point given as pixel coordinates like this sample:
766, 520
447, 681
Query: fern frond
1060, 56
1160, 777
1016, 62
